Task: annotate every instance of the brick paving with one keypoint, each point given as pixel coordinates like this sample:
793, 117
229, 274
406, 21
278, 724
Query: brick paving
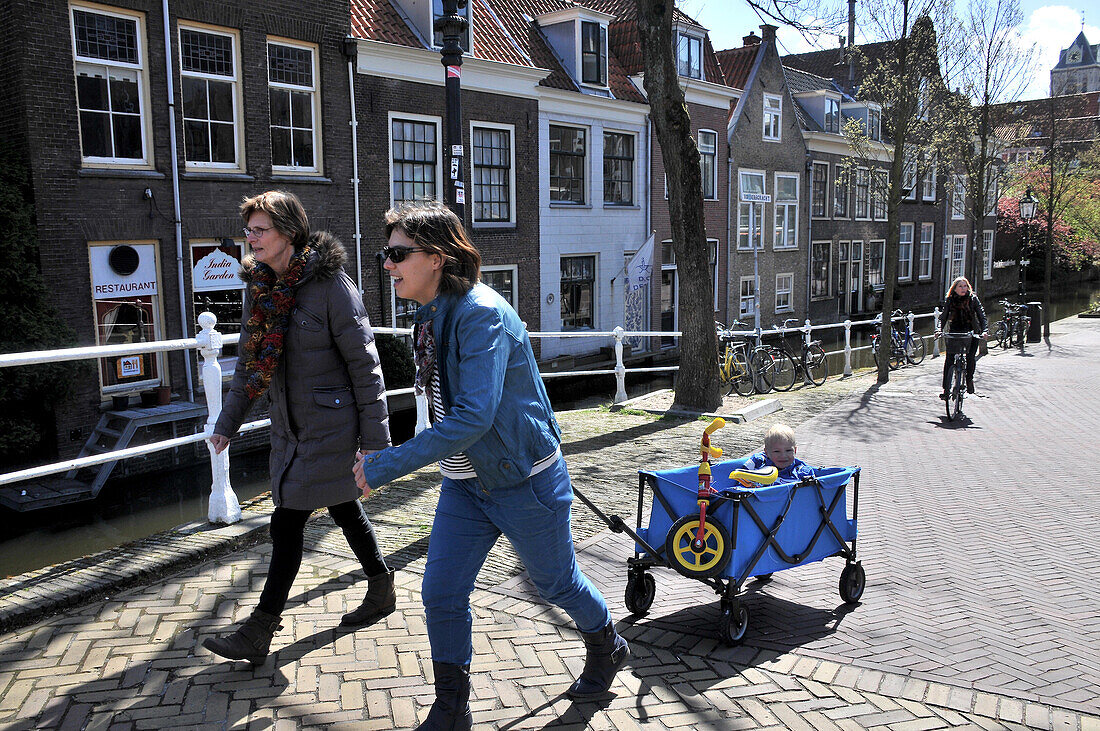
979, 611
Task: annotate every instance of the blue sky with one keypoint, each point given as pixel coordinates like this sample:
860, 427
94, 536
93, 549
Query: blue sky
1050, 27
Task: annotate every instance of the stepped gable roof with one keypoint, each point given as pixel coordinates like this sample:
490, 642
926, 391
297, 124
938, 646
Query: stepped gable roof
377, 20
1089, 53
736, 63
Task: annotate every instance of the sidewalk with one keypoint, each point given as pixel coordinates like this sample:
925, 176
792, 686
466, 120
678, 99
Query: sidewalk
980, 552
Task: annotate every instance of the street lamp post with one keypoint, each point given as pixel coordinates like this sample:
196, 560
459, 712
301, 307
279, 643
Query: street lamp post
452, 26
1027, 212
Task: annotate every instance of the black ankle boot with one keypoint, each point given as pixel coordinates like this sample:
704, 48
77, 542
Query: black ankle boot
251, 641
451, 710
607, 652
381, 599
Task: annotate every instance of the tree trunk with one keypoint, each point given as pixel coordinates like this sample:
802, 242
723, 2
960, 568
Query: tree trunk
697, 385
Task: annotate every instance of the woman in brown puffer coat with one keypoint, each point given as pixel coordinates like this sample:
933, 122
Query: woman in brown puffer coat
307, 343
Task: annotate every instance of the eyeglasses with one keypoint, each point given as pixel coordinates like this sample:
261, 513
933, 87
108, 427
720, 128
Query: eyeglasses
397, 254
257, 231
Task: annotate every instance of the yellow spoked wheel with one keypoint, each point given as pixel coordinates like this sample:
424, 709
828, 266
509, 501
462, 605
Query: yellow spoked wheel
698, 560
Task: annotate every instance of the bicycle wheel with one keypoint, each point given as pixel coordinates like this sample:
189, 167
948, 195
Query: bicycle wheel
997, 333
955, 404
1021, 331
897, 354
816, 364
783, 376
742, 379
763, 369
726, 369
914, 350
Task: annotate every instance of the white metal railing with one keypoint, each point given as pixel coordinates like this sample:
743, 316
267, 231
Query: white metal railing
224, 506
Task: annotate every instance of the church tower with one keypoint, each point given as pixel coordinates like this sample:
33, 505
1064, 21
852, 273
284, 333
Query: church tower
1078, 70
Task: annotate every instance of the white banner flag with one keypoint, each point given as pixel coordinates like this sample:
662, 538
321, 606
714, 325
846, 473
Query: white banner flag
639, 275
639, 272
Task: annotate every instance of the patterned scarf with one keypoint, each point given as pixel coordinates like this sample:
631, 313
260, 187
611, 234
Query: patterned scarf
272, 301
424, 356
959, 310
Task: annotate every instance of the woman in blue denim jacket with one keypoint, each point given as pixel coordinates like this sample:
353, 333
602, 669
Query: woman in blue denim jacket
495, 437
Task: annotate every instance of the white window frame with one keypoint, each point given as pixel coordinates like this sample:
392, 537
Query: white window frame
690, 38
875, 246
585, 165
905, 260
746, 295
987, 253
633, 202
511, 130
601, 82
595, 289
828, 268
909, 177
743, 208
714, 164
838, 174
958, 199
874, 124
831, 102
514, 269
315, 96
957, 252
139, 69
927, 243
928, 184
712, 252
772, 117
421, 119
880, 193
234, 83
790, 213
861, 173
824, 193
787, 291
669, 266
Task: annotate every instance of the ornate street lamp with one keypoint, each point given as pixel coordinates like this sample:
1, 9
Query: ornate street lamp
452, 26
1028, 204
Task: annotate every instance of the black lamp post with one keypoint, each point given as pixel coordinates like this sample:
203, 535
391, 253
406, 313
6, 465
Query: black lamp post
453, 28
1028, 205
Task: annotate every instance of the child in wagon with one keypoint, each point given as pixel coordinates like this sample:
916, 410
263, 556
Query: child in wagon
779, 452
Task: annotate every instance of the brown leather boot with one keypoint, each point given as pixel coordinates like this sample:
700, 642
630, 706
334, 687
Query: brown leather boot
251, 641
381, 599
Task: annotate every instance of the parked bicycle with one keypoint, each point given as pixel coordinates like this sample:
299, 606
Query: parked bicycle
742, 367
906, 346
810, 360
956, 345
1012, 328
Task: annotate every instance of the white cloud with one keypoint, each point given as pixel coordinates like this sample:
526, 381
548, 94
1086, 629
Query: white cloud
1052, 28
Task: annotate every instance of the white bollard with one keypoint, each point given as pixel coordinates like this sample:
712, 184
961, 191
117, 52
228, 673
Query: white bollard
847, 347
936, 341
224, 506
620, 369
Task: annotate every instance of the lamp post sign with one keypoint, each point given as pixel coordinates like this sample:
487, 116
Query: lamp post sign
748, 197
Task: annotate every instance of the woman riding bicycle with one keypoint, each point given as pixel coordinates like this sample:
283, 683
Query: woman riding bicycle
962, 312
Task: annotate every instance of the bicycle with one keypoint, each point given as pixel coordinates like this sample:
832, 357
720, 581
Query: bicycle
740, 370
957, 346
897, 350
1012, 328
911, 342
810, 360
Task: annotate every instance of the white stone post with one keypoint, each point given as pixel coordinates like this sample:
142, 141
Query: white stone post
809, 329
936, 341
620, 369
912, 329
847, 347
224, 507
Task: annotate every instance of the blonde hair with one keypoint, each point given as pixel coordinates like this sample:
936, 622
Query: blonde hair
969, 286
779, 432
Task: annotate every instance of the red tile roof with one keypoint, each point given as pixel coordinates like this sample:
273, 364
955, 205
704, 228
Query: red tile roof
736, 64
377, 20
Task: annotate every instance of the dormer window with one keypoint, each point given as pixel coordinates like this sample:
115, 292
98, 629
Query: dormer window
832, 115
689, 56
437, 37
593, 53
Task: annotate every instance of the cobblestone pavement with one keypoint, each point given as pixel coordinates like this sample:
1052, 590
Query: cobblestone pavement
979, 612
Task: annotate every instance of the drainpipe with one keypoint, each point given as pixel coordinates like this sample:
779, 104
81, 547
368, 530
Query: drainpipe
810, 227
729, 227
351, 51
178, 220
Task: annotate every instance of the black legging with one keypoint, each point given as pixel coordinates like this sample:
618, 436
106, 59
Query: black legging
971, 361
287, 539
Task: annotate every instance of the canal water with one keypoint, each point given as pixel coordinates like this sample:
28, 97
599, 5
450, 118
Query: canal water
135, 508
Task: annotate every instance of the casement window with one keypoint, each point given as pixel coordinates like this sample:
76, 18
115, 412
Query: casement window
876, 253
819, 190
987, 254
821, 267
928, 183
909, 178
210, 80
689, 56
924, 268
832, 115
773, 117
567, 164
880, 193
414, 158
905, 253
708, 153
295, 94
874, 124
958, 256
618, 169
593, 53
111, 95
492, 173
840, 192
747, 300
786, 212
502, 278
784, 286
578, 292
958, 199
863, 193
750, 216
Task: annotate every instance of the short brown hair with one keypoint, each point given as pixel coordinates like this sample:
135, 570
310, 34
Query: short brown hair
288, 215
435, 228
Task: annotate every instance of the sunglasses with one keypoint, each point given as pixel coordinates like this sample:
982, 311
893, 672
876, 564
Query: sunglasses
397, 254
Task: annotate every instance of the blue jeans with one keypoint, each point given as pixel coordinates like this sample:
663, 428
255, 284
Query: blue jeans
534, 515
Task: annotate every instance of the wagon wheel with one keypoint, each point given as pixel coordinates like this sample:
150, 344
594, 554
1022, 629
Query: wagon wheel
853, 580
732, 629
640, 590
762, 578
698, 560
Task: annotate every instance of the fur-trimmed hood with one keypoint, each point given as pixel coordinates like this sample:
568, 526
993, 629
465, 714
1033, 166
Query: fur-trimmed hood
326, 260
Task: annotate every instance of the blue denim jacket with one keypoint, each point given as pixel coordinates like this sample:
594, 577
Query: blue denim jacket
496, 406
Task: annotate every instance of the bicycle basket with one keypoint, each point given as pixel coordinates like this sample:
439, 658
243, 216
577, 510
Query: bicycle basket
956, 342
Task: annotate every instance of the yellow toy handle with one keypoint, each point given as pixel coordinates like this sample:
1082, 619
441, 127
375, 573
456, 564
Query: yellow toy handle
715, 425
762, 476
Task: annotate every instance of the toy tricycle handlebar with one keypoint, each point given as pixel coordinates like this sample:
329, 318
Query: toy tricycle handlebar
762, 476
